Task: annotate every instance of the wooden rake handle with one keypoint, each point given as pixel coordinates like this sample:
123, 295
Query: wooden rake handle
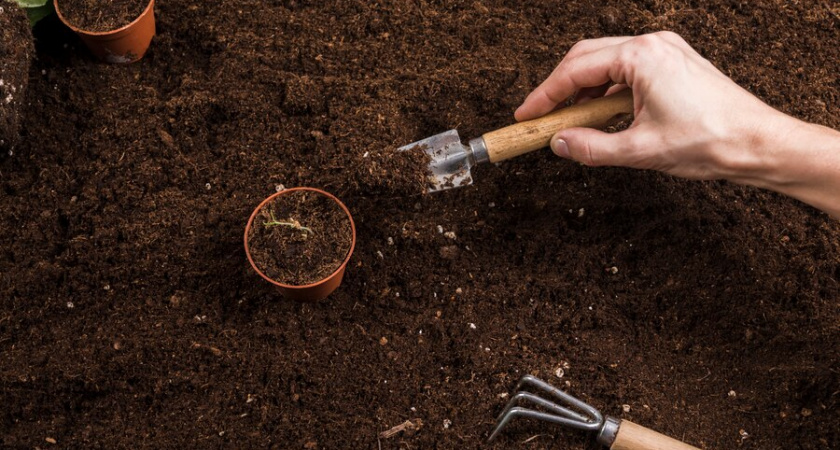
631, 436
525, 137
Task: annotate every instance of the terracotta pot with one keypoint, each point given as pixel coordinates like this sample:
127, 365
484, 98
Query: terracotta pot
121, 46
309, 292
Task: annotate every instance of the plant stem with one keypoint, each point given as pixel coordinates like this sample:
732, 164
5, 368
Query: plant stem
297, 226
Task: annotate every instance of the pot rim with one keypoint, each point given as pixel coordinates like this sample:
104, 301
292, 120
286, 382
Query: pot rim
101, 33
322, 280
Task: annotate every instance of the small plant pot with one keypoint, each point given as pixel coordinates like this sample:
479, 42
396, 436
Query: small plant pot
313, 291
121, 46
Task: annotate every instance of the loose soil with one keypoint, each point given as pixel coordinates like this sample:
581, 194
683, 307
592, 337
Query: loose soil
130, 317
16, 51
101, 15
300, 238
395, 173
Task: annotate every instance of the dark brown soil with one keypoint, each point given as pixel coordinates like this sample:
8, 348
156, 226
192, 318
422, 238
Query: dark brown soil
101, 15
130, 317
16, 51
395, 173
300, 238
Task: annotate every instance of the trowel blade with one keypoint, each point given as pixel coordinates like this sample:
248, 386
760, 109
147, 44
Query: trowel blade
450, 165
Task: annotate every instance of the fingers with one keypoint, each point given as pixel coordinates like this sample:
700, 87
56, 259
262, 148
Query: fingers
596, 148
588, 93
590, 45
616, 88
590, 69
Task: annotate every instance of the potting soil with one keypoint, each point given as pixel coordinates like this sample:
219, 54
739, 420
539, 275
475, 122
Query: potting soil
99, 15
131, 318
16, 51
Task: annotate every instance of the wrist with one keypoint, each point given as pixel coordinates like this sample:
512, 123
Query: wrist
795, 158
772, 154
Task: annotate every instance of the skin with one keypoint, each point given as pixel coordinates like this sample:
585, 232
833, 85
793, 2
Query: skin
691, 121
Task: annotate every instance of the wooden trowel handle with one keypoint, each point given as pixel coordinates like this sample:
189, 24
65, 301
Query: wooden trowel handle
631, 436
531, 135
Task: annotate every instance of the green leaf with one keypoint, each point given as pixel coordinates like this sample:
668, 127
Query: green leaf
36, 14
32, 3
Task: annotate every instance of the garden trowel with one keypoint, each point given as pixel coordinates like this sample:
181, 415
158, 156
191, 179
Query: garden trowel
452, 161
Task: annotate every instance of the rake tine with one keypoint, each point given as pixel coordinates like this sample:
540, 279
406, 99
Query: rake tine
589, 419
559, 410
518, 411
574, 401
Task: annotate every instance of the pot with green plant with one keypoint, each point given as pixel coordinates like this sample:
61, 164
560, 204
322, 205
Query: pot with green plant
301, 240
116, 31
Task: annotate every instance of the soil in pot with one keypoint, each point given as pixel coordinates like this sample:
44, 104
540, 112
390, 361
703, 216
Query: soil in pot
101, 16
15, 54
300, 238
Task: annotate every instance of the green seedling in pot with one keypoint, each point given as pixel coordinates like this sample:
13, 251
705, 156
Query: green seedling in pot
36, 9
291, 223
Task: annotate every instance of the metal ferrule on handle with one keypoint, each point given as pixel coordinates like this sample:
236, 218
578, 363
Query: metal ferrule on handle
608, 432
478, 151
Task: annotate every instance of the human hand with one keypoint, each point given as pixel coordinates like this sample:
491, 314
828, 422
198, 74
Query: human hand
690, 119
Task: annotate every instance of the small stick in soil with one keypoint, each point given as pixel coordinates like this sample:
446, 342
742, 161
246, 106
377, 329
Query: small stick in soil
291, 223
408, 426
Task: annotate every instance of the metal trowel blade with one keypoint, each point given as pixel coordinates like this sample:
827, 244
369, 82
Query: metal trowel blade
451, 162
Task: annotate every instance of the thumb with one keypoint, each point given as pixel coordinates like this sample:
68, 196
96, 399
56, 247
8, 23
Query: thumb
596, 148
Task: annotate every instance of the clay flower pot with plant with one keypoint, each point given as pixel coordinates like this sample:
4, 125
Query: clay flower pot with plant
116, 31
301, 240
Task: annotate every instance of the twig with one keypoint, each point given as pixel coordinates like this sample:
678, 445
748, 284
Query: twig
535, 437
410, 425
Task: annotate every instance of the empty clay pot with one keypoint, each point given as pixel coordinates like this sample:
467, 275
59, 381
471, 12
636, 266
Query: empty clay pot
121, 46
309, 292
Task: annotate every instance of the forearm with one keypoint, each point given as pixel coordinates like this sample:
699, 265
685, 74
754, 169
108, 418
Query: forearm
802, 160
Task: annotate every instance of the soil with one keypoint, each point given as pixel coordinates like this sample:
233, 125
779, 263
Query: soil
102, 15
394, 173
130, 317
300, 238
16, 51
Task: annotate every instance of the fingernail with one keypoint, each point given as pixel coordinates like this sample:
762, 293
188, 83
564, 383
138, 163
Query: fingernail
560, 148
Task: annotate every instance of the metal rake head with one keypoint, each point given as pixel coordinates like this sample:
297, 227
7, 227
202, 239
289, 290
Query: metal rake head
583, 417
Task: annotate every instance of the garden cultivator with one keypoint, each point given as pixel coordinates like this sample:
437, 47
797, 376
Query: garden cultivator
617, 434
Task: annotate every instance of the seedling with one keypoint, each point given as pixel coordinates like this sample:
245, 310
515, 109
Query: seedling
291, 223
